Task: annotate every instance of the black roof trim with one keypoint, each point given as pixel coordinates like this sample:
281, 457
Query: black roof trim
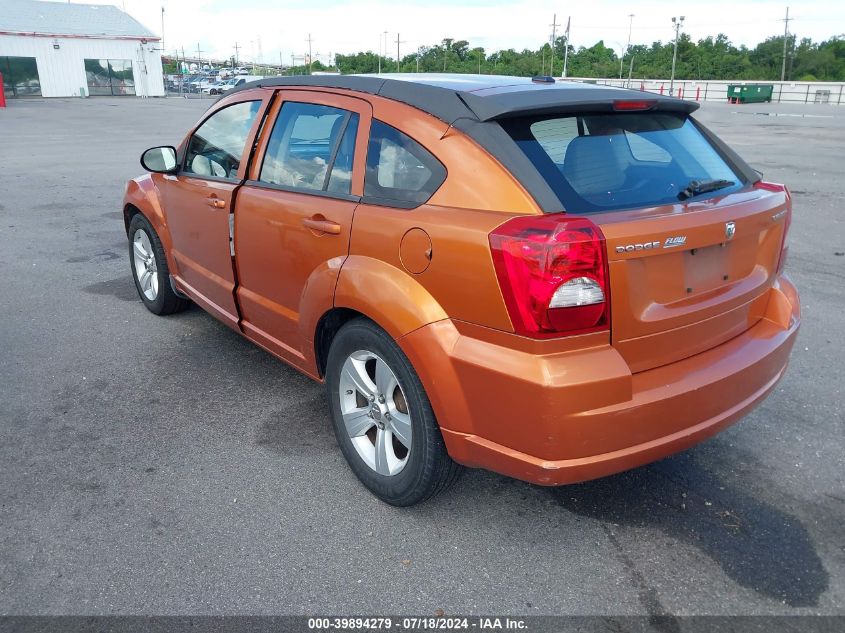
442, 103
485, 98
475, 103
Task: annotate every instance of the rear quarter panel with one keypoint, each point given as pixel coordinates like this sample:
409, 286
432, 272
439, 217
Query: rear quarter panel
460, 281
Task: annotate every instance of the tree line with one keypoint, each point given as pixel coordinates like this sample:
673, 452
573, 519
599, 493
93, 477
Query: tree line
708, 58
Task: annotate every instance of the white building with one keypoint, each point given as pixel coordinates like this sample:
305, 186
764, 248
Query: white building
57, 49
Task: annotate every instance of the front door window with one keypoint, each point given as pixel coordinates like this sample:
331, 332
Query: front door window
217, 147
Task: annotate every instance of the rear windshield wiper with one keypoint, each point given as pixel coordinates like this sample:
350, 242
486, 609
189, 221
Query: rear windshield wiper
697, 187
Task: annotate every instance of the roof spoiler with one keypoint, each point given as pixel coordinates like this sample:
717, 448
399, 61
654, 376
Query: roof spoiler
512, 104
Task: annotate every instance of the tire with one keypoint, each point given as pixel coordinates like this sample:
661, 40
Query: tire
398, 474
151, 274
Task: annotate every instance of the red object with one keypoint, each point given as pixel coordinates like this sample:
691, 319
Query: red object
642, 104
535, 256
661, 88
2, 93
697, 93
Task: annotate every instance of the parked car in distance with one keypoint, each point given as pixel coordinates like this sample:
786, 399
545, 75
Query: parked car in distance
217, 88
233, 82
227, 85
181, 82
551, 280
201, 84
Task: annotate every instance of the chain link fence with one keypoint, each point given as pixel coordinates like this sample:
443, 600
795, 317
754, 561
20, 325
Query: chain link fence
816, 92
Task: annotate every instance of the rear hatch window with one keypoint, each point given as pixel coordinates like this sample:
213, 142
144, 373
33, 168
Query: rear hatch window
610, 161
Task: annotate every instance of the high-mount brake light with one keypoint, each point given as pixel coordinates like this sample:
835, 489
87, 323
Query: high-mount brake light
552, 271
634, 105
787, 222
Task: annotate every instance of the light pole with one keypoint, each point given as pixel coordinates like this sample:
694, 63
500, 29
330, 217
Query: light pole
678, 22
163, 65
621, 47
627, 48
384, 35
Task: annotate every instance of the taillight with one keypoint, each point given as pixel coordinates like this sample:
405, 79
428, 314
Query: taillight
787, 222
552, 270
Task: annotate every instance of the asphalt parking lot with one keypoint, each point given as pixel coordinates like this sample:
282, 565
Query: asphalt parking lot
168, 466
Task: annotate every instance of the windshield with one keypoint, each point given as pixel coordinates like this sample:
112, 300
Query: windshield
604, 162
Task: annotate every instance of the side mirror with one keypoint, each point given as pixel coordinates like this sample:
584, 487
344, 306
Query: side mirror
161, 160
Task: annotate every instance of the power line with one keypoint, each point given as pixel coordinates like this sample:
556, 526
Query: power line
566, 46
309, 40
678, 22
785, 40
627, 48
554, 26
397, 52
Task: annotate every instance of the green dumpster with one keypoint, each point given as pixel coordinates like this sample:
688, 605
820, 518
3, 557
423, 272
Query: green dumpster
750, 93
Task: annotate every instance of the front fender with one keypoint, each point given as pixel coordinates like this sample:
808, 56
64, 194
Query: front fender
143, 194
389, 296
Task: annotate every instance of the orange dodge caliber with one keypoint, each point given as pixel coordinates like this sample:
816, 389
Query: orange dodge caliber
552, 280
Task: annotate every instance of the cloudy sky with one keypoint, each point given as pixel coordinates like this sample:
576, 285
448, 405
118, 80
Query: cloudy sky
343, 26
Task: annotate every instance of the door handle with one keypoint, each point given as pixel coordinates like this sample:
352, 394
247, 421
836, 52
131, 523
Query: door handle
319, 223
215, 202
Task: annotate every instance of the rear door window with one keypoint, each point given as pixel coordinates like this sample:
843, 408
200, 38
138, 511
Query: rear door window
604, 162
311, 147
400, 171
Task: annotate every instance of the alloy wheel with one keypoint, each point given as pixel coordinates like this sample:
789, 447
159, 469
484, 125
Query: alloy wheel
146, 271
375, 412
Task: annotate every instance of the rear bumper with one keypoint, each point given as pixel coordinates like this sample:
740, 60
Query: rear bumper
572, 416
